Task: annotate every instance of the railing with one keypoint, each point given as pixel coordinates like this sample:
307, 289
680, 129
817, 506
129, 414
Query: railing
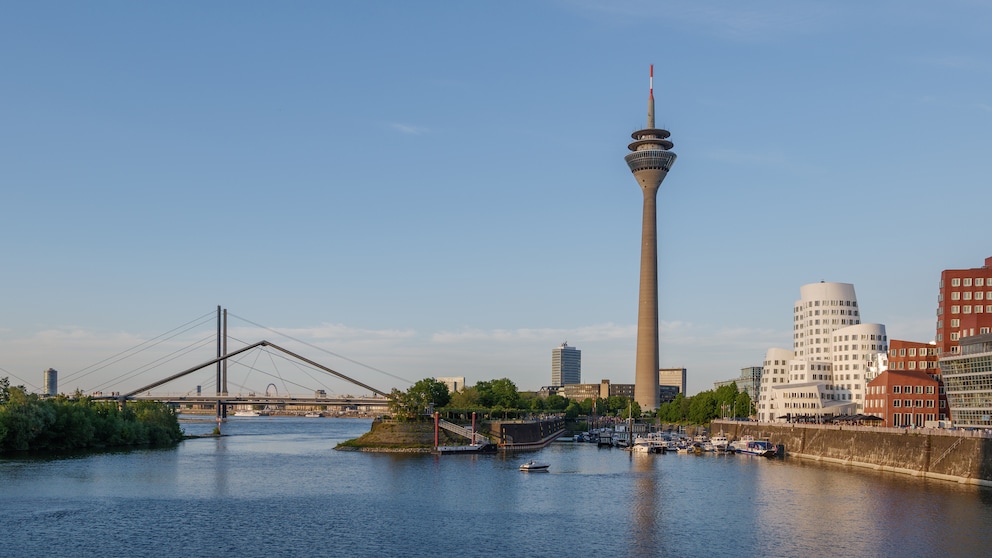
947, 451
959, 432
462, 431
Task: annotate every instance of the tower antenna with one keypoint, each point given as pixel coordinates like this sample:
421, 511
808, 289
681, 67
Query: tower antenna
651, 98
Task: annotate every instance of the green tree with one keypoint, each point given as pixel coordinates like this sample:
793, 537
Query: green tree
498, 393
429, 393
555, 402
572, 410
742, 405
467, 398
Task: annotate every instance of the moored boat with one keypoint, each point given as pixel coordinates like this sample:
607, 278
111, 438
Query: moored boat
763, 448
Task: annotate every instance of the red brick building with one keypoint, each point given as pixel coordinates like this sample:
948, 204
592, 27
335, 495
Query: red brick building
904, 398
964, 306
912, 355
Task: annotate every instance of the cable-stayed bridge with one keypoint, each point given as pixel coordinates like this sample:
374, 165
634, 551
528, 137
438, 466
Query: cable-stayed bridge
211, 377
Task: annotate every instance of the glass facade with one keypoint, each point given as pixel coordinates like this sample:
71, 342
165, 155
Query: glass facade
968, 382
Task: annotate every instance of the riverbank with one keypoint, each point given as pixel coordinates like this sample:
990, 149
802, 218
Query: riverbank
928, 453
391, 436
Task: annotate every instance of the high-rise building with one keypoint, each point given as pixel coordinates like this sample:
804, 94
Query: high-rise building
50, 385
964, 306
825, 374
566, 365
671, 377
649, 161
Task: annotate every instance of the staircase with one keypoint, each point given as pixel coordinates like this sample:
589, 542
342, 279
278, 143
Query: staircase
462, 431
946, 452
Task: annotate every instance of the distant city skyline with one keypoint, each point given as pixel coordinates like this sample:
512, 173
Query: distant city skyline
451, 202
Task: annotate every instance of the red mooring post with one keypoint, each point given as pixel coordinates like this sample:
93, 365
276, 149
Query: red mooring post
437, 418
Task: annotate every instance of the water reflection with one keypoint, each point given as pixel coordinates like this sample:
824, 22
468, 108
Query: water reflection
283, 475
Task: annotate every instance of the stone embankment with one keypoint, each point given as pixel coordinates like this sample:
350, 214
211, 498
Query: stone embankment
959, 456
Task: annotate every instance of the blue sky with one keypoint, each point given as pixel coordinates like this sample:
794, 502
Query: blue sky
438, 188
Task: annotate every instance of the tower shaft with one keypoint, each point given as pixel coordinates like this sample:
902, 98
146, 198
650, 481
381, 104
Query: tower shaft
648, 359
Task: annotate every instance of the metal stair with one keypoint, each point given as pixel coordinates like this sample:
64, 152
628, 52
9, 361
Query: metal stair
947, 452
462, 431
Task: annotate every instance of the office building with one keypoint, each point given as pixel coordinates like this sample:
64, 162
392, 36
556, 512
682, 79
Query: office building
51, 382
566, 365
967, 375
964, 306
454, 383
825, 375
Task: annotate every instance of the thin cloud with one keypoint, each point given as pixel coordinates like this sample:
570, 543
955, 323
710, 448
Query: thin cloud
408, 129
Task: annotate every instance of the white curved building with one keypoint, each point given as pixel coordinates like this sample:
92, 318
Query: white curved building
826, 375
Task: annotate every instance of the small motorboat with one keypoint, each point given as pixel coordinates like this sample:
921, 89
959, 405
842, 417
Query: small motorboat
534, 466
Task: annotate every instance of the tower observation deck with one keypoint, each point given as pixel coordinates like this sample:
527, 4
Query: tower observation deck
650, 160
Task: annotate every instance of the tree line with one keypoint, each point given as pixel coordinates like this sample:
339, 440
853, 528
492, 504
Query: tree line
723, 402
501, 398
29, 422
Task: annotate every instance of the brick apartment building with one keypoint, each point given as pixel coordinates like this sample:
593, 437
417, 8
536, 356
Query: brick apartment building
904, 398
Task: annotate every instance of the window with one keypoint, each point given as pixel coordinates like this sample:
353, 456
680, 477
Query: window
919, 403
895, 389
967, 282
918, 389
911, 352
966, 295
895, 402
955, 323
955, 296
930, 403
955, 309
955, 282
980, 282
907, 402
966, 309
979, 295
929, 389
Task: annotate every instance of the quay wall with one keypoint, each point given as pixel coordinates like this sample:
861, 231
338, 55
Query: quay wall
964, 457
524, 434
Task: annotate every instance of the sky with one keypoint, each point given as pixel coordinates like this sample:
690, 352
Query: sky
401, 190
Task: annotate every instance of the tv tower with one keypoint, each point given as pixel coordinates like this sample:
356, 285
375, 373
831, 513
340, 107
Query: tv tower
650, 162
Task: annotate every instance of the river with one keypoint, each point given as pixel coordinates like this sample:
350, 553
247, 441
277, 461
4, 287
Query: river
274, 486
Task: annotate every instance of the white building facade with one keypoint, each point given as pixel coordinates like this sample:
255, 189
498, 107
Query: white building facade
826, 373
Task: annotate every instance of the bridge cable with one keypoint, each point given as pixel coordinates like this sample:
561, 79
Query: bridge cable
121, 355
23, 382
311, 345
157, 362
